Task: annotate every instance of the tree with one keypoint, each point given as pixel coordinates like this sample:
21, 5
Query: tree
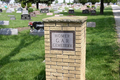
48, 2
93, 1
114, 1
107, 1
102, 7
76, 1
56, 1
83, 1
64, 1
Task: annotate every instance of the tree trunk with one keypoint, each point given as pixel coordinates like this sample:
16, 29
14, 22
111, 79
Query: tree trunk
108, 3
37, 5
101, 7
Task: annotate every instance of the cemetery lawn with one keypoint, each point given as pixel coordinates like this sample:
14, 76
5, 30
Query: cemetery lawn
22, 56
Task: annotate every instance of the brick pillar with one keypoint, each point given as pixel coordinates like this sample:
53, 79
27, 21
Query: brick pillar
65, 47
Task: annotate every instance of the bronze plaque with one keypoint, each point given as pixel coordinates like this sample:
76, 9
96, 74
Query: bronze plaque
62, 40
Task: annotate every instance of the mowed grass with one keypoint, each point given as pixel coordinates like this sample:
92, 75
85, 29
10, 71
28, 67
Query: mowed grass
21, 56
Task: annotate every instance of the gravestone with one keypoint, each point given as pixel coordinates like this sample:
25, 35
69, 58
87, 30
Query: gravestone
65, 47
93, 12
56, 12
49, 13
25, 12
32, 14
0, 10
11, 15
9, 31
37, 12
19, 9
12, 18
37, 32
12, 9
86, 11
60, 10
19, 12
61, 14
45, 10
4, 22
25, 17
8, 11
71, 12
91, 24
55, 8
38, 28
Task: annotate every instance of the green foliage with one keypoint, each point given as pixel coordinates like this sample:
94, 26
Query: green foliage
114, 1
88, 6
64, 1
29, 5
56, 1
93, 1
107, 1
30, 9
93, 6
83, 1
23, 4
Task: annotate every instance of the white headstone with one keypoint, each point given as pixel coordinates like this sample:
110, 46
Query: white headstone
19, 12
56, 12
8, 11
25, 12
4, 22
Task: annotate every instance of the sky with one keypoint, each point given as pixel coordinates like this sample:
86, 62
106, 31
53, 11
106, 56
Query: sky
59, 1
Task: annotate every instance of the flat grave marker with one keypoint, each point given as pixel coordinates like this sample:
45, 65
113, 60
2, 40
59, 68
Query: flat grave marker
49, 13
91, 24
12, 18
4, 22
9, 31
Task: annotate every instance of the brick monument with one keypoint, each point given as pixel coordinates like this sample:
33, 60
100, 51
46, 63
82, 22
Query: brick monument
65, 47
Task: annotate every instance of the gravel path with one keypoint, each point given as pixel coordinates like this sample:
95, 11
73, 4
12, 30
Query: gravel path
22, 28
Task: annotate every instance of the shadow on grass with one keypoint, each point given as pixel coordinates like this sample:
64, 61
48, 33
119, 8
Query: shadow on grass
5, 60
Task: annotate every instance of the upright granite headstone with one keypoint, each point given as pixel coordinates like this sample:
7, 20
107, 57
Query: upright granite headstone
65, 47
37, 12
86, 11
32, 14
45, 10
71, 12
0, 10
93, 12
25, 17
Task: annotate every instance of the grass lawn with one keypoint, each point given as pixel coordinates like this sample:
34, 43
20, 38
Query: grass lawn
21, 56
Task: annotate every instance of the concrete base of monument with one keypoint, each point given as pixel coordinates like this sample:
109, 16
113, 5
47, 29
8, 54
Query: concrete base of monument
37, 32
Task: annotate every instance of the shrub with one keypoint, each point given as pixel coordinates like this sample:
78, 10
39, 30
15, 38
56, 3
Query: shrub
29, 5
23, 4
93, 6
88, 6
30, 9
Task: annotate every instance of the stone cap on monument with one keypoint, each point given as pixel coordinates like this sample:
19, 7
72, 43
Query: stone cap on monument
74, 19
